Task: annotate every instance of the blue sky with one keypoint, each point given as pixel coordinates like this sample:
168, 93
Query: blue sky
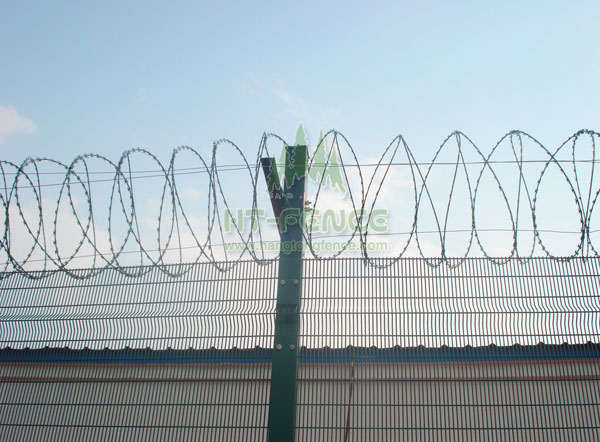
107, 76
103, 77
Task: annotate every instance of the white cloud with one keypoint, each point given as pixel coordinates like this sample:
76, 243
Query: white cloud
251, 85
288, 98
191, 193
308, 113
142, 95
12, 122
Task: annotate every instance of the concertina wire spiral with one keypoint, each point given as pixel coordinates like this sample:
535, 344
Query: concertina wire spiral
44, 235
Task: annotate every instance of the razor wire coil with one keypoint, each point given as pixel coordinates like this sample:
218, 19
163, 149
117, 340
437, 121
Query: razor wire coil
363, 196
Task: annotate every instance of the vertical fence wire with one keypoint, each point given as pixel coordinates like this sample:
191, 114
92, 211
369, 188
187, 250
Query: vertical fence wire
473, 352
396, 351
152, 358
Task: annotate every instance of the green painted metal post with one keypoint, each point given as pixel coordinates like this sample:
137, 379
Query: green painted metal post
282, 405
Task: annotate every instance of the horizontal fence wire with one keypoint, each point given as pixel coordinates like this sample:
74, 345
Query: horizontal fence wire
152, 358
477, 352
399, 350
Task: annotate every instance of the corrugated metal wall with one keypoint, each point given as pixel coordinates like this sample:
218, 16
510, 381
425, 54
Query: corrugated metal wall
208, 402
450, 401
379, 402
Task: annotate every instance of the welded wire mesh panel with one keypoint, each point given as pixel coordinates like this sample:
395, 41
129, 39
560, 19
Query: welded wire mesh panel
476, 352
405, 351
152, 358
203, 309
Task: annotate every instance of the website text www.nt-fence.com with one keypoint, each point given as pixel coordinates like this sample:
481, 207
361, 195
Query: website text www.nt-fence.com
317, 246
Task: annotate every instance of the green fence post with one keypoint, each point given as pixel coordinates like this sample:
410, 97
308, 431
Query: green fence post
282, 404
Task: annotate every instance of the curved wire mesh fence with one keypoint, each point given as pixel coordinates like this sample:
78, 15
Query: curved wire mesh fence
480, 351
387, 352
151, 358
